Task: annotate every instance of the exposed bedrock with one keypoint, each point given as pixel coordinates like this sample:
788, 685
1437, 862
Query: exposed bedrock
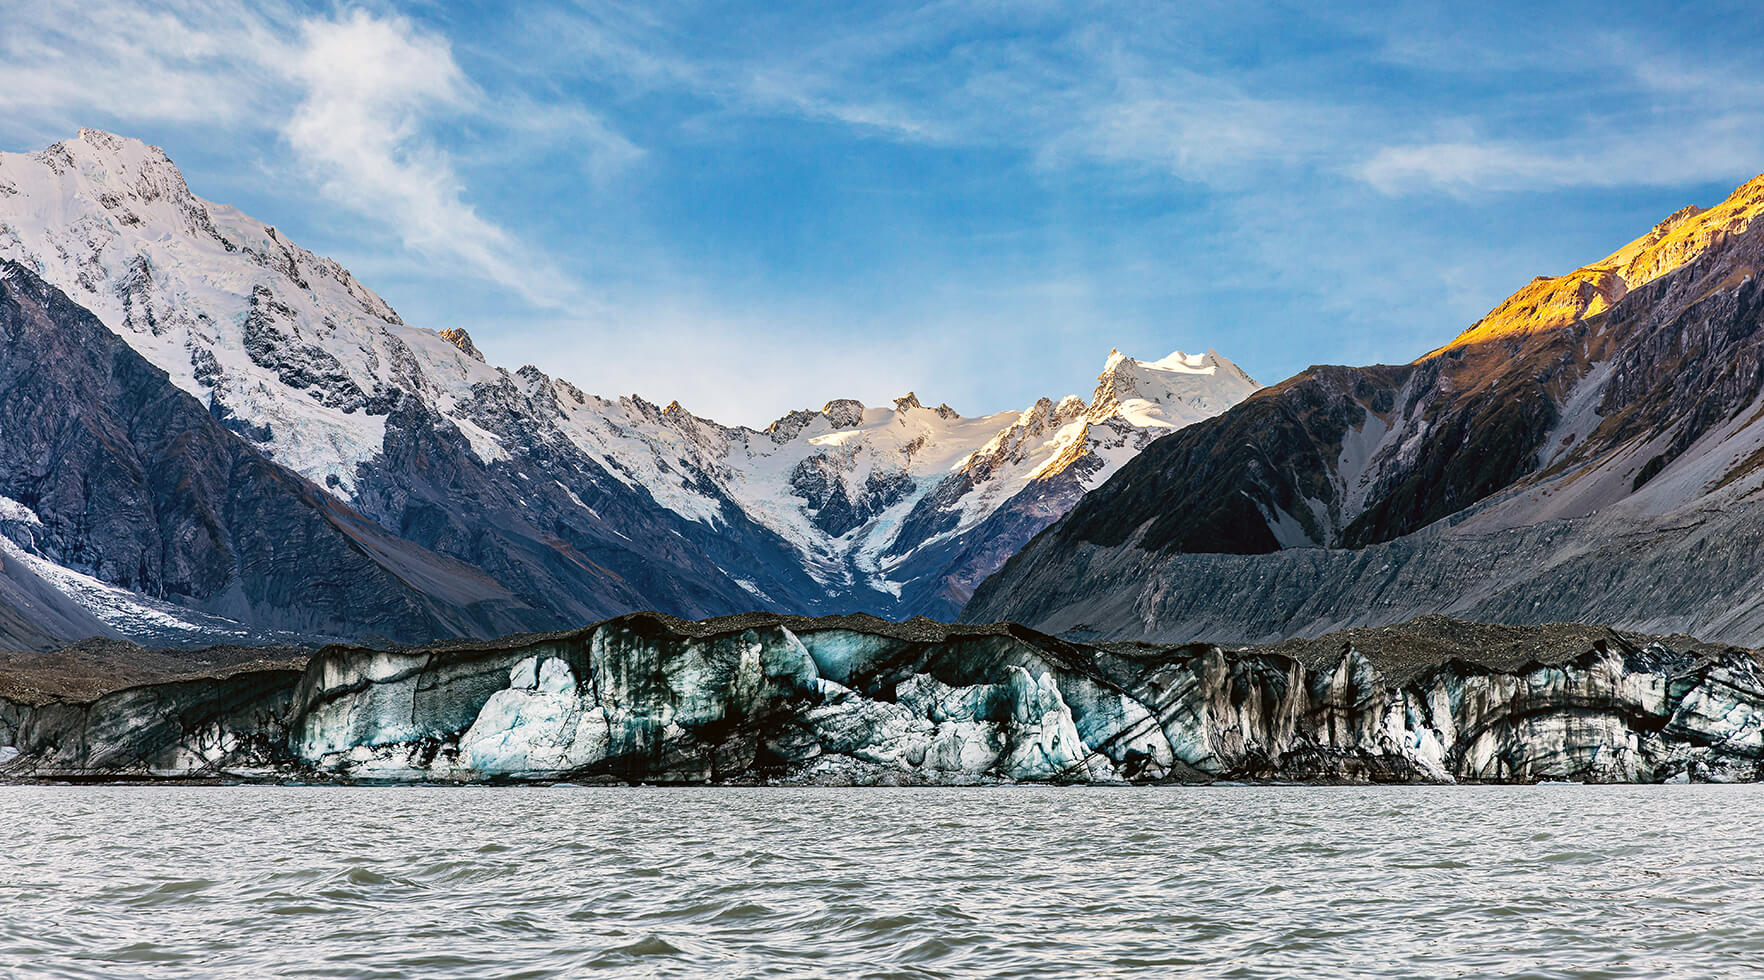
857, 700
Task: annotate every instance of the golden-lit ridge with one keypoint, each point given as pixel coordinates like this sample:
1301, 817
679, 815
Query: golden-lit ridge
1549, 302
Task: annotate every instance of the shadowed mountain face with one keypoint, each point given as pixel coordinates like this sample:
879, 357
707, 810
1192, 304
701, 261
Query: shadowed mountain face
1591, 450
126, 507
576, 507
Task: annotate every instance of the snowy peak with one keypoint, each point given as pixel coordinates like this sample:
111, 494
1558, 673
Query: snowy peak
840, 413
415, 428
1172, 392
844, 413
138, 171
285, 346
910, 402
133, 184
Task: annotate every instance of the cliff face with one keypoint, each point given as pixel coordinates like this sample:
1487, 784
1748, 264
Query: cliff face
853, 700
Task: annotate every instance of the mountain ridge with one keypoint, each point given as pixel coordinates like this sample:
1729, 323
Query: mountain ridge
176, 522
1535, 467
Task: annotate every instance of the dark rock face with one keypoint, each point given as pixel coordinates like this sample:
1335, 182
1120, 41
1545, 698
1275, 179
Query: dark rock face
303, 367
854, 700
816, 480
1590, 451
137, 484
943, 576
553, 526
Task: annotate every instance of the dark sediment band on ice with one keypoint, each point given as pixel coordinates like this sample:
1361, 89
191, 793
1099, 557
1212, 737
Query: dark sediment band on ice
857, 700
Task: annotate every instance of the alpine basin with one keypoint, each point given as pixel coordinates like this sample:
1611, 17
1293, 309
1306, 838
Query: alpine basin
1547, 881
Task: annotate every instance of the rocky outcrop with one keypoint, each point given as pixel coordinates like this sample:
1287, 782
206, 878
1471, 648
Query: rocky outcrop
855, 700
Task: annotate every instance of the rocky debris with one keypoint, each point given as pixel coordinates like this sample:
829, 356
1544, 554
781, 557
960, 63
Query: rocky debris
859, 701
97, 666
1402, 650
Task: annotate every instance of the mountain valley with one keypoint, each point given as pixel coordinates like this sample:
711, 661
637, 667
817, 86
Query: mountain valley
486, 500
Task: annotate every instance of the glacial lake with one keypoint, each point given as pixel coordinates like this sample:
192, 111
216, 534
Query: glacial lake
253, 881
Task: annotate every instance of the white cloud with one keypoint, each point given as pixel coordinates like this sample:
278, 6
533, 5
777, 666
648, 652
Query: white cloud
1602, 109
358, 97
202, 62
370, 88
1108, 88
1463, 166
1724, 150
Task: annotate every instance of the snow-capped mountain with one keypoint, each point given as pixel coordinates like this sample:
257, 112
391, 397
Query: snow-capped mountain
128, 510
580, 506
885, 503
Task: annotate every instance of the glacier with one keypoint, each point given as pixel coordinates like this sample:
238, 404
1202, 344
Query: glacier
854, 700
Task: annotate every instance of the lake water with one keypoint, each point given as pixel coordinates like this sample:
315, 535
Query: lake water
1548, 881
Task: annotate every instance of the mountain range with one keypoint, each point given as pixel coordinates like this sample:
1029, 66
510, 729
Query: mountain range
214, 433
210, 433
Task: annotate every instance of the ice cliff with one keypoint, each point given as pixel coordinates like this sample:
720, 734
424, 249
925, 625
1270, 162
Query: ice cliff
856, 700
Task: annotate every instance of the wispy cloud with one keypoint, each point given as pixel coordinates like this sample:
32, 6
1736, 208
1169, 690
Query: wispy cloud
1124, 87
1658, 154
1468, 166
1594, 109
713, 193
160, 63
369, 88
1113, 87
358, 97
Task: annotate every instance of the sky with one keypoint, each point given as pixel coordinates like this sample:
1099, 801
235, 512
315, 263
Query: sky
757, 207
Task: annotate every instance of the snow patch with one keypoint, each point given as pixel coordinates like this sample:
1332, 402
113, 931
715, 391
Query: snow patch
129, 613
17, 513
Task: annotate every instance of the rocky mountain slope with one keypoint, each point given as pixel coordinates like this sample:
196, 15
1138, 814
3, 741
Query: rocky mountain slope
855, 700
577, 507
178, 527
1590, 450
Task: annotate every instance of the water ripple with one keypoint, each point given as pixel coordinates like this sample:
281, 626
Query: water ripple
1575, 882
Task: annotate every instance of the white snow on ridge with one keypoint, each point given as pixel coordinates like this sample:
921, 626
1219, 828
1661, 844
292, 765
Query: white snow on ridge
997, 456
16, 512
221, 302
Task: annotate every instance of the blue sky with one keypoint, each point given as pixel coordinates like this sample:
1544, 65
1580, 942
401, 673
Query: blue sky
757, 207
